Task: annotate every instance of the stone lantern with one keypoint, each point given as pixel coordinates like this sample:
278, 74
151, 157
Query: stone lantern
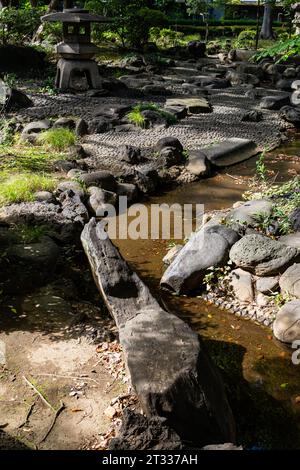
76, 51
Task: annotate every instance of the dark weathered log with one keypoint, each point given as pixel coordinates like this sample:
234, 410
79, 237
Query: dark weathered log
171, 373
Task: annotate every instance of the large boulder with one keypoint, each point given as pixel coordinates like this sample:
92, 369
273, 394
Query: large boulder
103, 179
292, 239
246, 213
262, 255
230, 151
291, 114
290, 281
207, 247
16, 99
198, 163
286, 326
100, 200
274, 102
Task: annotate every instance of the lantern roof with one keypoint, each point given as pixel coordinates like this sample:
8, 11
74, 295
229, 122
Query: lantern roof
75, 15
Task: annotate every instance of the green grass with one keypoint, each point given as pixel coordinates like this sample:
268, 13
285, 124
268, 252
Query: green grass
135, 115
57, 139
27, 158
22, 186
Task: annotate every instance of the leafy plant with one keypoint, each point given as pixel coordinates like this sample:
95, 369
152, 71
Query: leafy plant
246, 39
215, 275
281, 51
261, 169
29, 233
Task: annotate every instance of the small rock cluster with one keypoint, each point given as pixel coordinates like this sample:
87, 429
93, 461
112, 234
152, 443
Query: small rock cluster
261, 269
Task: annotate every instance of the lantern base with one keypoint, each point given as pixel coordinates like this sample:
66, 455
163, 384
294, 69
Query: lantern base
65, 68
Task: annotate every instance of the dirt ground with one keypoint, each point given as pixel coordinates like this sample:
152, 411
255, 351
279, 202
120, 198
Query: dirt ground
55, 388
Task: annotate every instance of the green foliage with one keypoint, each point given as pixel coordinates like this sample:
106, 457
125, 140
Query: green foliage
281, 50
21, 187
261, 169
135, 117
246, 39
19, 24
215, 275
27, 158
165, 37
57, 139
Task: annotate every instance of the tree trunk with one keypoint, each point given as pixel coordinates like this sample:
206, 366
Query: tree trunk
68, 4
266, 31
53, 5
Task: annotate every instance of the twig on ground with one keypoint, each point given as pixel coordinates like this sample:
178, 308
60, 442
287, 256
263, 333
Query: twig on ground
69, 377
29, 411
38, 393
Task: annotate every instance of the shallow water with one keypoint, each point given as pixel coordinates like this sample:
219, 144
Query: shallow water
263, 384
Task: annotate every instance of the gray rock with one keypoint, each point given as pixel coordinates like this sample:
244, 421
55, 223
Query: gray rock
294, 217
170, 156
36, 127
155, 90
198, 164
130, 154
194, 105
43, 196
262, 255
171, 255
241, 282
70, 185
77, 151
252, 116
168, 142
16, 99
284, 84
72, 208
291, 114
65, 165
230, 151
66, 123
103, 179
180, 112
290, 281
286, 326
267, 285
290, 72
100, 200
81, 128
127, 189
208, 247
293, 239
274, 102
262, 300
245, 213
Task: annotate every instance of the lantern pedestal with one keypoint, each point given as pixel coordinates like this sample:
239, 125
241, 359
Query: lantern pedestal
66, 67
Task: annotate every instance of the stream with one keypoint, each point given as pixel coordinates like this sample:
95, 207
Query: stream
262, 383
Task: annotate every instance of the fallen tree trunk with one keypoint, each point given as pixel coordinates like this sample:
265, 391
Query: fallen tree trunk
171, 373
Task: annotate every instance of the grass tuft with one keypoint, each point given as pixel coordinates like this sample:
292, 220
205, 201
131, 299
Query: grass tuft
57, 139
135, 116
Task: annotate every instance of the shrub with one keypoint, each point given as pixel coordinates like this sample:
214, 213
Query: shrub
19, 24
58, 139
246, 39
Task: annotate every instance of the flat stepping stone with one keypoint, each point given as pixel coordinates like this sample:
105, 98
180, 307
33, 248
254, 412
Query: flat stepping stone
230, 151
193, 104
